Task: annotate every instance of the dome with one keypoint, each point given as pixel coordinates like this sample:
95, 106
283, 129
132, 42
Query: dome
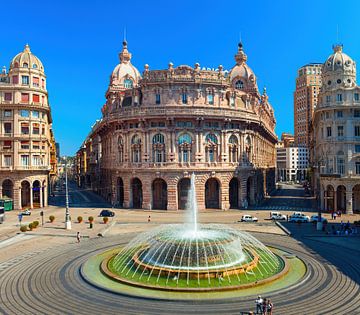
241, 71
125, 73
339, 68
26, 59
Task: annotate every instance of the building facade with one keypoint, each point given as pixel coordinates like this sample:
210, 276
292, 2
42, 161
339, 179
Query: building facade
336, 127
160, 127
26, 138
308, 83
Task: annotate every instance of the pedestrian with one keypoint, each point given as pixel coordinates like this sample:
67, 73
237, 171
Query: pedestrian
335, 215
259, 302
269, 307
78, 237
264, 307
149, 219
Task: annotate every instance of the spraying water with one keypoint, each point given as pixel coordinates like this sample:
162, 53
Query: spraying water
191, 205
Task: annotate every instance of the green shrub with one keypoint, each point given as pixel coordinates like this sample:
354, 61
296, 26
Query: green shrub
80, 219
91, 219
36, 224
23, 228
105, 219
31, 226
52, 218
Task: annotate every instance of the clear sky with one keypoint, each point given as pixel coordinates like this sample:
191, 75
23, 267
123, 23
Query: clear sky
78, 43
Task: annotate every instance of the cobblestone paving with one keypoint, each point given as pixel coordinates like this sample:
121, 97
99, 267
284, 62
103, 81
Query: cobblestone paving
49, 282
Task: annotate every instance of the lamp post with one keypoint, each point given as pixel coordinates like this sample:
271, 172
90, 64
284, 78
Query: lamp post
319, 223
67, 213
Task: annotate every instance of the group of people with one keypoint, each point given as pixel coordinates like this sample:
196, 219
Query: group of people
264, 306
345, 229
335, 214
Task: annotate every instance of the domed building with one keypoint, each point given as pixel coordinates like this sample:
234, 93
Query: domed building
336, 125
160, 127
27, 140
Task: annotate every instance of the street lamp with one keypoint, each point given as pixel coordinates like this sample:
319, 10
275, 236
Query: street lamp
67, 213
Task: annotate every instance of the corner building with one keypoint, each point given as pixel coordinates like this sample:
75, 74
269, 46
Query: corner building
159, 128
26, 136
336, 125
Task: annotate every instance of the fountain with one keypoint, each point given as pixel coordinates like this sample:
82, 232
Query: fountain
193, 256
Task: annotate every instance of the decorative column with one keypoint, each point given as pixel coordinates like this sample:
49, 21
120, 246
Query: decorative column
349, 202
41, 197
335, 199
45, 196
321, 196
31, 197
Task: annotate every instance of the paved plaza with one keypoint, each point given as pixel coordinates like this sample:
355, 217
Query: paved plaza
39, 270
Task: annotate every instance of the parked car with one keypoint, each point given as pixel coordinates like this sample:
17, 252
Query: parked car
106, 213
26, 212
315, 218
248, 218
299, 217
277, 216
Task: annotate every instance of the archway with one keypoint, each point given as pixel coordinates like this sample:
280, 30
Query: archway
7, 188
234, 193
341, 198
183, 190
356, 198
250, 194
330, 198
120, 192
136, 189
212, 192
36, 194
25, 194
159, 194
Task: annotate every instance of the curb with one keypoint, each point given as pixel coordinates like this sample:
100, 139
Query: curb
283, 228
53, 235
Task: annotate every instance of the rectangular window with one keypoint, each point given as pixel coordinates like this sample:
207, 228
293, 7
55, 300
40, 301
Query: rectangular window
15, 79
35, 114
24, 113
36, 145
328, 131
184, 98
210, 99
341, 166
357, 168
7, 127
24, 129
25, 97
36, 81
356, 97
7, 160
340, 131
328, 98
25, 79
157, 99
357, 131
36, 98
43, 83
36, 129
7, 112
8, 96
24, 160
25, 145
339, 114
357, 148
36, 160
43, 130
339, 97
7, 144
357, 113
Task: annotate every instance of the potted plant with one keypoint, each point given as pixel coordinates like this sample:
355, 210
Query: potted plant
80, 219
52, 218
31, 226
36, 224
106, 220
23, 228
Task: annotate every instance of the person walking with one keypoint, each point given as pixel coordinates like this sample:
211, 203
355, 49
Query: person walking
259, 302
78, 237
269, 307
264, 307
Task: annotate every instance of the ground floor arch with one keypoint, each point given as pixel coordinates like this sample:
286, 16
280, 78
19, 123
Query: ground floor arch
36, 194
329, 198
8, 188
25, 194
356, 198
234, 193
159, 194
136, 193
212, 194
183, 191
250, 191
120, 192
341, 198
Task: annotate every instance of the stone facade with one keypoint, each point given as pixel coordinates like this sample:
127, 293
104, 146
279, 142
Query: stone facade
336, 146
25, 136
159, 128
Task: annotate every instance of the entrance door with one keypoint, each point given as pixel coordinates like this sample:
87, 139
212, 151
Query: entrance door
212, 194
234, 193
183, 191
120, 192
159, 194
137, 193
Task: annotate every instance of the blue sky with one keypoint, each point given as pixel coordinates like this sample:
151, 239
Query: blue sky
78, 43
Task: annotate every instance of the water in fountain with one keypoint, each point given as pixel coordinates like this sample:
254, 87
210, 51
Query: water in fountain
192, 207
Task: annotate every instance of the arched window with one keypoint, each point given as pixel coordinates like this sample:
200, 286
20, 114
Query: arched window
121, 149
158, 141
211, 147
34, 66
185, 147
247, 153
25, 65
136, 149
128, 84
239, 85
233, 149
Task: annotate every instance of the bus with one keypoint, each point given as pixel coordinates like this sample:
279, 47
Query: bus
2, 214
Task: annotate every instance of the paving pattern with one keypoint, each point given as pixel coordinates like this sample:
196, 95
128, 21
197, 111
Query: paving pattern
49, 282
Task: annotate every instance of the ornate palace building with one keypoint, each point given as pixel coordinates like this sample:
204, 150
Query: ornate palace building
160, 127
336, 125
26, 138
